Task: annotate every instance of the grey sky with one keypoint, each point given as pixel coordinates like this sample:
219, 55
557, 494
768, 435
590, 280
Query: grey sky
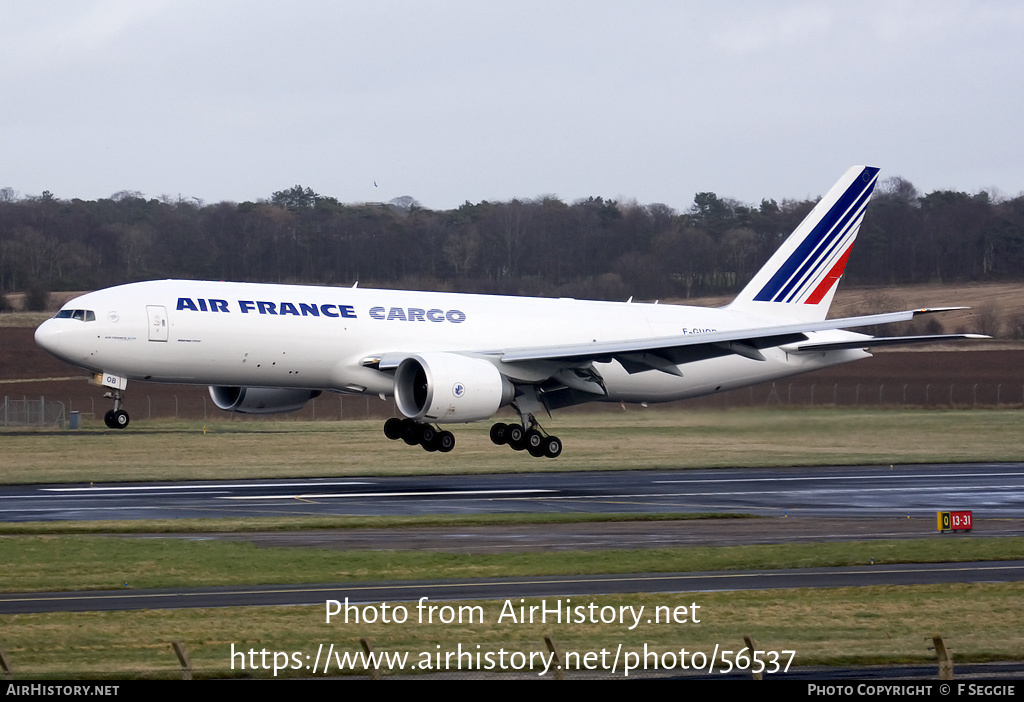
456, 101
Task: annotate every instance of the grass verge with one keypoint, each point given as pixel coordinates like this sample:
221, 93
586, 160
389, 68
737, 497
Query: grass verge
45, 563
234, 525
634, 439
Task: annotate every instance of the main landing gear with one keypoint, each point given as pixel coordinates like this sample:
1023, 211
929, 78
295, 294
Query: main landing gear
533, 440
116, 418
430, 437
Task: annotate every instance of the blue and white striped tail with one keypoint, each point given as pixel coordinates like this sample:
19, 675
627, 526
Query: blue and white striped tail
800, 279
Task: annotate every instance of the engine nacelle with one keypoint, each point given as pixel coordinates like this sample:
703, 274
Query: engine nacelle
447, 387
260, 400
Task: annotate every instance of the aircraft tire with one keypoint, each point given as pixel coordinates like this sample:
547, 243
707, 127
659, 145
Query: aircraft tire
410, 432
445, 441
499, 433
552, 446
121, 419
516, 437
108, 419
535, 443
428, 437
393, 429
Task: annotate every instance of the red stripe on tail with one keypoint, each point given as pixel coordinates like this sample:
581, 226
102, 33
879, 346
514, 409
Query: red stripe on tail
831, 279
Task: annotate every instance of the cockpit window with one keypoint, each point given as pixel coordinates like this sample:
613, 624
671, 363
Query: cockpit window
80, 315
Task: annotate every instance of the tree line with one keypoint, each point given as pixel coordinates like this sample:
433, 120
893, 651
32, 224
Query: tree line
591, 248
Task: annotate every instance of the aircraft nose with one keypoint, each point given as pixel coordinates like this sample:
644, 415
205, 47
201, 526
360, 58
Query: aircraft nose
48, 336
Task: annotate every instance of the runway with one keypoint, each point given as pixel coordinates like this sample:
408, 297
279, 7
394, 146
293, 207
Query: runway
796, 504
917, 491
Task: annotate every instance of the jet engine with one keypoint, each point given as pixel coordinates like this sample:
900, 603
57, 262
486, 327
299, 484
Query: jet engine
447, 387
260, 400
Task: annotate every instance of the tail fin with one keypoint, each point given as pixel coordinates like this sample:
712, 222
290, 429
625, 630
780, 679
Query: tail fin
800, 278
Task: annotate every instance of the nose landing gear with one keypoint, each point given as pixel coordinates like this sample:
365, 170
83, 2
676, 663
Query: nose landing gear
116, 418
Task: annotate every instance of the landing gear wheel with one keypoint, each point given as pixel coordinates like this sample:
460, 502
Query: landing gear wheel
527, 435
118, 419
535, 443
445, 441
552, 446
516, 437
108, 419
499, 433
429, 438
394, 429
410, 432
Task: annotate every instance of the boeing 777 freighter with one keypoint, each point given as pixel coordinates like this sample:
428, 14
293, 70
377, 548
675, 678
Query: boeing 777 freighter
450, 358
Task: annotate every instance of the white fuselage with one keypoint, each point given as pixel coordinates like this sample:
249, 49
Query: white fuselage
287, 336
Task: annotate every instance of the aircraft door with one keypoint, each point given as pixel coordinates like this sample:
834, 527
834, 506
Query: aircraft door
157, 322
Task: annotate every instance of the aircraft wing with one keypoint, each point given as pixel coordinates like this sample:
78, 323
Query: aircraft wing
665, 353
669, 352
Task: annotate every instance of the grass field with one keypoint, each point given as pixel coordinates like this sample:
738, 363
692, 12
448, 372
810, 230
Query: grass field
633, 439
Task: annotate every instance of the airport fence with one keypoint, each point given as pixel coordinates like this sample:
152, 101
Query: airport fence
963, 395
35, 412
197, 404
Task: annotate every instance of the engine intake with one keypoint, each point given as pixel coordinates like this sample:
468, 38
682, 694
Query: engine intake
447, 387
260, 400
